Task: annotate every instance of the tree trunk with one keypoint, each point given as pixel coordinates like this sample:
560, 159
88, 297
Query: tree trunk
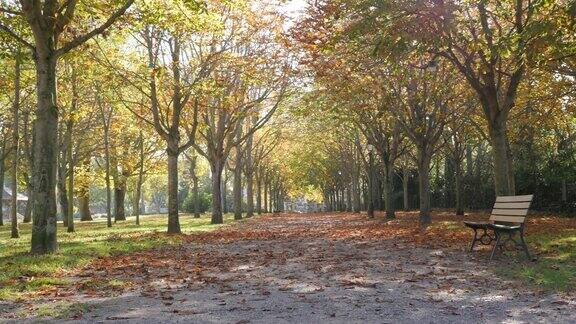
138, 191
356, 189
249, 194
107, 173
84, 206
237, 190
62, 192
511, 176
83, 197
173, 219
564, 191
349, 207
405, 182
273, 193
281, 200
28, 209
15, 140
237, 194
503, 176
448, 181
459, 189
371, 185
30, 159
389, 192
223, 191
277, 198
120, 198
249, 174
136, 197
216, 168
45, 152
270, 197
196, 197
119, 189
70, 214
2, 174
259, 194
265, 183
424, 191
195, 193
469, 161
238, 179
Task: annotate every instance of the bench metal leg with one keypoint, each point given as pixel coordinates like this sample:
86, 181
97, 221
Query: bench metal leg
484, 237
496, 245
474, 240
524, 245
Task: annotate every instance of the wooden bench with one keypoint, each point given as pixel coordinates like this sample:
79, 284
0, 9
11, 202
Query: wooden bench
507, 220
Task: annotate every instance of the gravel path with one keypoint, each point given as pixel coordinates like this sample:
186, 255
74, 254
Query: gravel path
290, 278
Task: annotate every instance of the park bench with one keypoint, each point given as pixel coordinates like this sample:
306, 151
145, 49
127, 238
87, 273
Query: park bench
505, 223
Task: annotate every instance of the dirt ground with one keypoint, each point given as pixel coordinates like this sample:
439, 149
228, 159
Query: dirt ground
304, 268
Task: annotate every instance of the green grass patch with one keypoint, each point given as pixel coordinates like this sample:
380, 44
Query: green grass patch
22, 272
61, 310
448, 225
555, 269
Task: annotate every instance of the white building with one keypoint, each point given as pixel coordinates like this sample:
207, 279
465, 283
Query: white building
7, 203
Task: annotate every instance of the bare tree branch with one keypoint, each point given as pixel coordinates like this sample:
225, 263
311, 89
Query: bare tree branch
17, 37
99, 30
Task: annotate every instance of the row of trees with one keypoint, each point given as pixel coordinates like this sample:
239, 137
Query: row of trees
389, 90
426, 83
201, 78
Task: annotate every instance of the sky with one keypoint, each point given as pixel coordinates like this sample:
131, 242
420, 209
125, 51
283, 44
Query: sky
293, 8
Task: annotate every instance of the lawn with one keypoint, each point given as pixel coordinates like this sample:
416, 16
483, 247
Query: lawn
552, 239
22, 273
555, 269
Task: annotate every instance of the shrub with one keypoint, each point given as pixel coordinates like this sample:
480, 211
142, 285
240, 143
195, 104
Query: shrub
205, 200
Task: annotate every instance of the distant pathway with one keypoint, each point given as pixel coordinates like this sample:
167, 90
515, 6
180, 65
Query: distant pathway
311, 269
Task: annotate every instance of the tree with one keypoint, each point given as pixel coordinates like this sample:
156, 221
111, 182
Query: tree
5, 109
48, 21
237, 170
193, 159
491, 43
170, 87
4, 152
428, 100
15, 141
384, 133
247, 83
138, 191
265, 143
455, 144
106, 112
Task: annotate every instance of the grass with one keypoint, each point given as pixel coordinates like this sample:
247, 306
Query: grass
555, 269
22, 273
551, 238
61, 310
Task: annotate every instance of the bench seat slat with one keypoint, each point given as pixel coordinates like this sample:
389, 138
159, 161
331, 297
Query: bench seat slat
512, 205
509, 219
525, 198
510, 212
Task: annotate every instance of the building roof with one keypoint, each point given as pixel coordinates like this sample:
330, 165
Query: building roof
8, 195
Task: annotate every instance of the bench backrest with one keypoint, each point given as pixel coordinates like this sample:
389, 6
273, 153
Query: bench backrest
511, 209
